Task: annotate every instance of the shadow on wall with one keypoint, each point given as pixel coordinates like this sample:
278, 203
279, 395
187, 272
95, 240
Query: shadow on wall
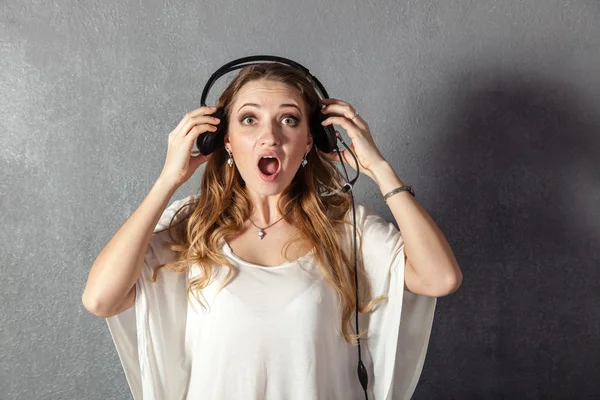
516, 170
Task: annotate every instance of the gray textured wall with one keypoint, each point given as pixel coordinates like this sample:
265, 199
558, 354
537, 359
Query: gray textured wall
489, 108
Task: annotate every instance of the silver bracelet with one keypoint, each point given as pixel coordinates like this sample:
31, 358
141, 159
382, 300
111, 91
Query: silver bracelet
407, 188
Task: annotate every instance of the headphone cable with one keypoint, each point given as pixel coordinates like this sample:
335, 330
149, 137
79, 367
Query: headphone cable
363, 376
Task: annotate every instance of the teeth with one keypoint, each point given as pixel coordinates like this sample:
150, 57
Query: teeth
268, 157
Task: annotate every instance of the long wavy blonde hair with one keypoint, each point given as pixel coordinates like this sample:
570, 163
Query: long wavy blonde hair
223, 206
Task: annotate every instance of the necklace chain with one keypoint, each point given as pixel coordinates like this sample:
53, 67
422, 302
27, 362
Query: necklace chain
261, 232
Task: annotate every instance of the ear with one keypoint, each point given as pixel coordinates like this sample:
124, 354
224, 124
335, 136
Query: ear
226, 141
309, 142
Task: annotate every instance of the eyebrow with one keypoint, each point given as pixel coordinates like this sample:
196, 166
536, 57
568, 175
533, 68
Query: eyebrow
281, 106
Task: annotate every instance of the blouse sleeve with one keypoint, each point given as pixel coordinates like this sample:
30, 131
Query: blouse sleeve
399, 328
149, 336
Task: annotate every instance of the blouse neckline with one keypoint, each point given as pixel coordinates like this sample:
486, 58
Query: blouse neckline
286, 264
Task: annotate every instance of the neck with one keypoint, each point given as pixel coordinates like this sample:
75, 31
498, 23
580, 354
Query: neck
264, 210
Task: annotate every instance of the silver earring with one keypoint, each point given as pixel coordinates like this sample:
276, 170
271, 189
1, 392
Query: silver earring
230, 160
304, 160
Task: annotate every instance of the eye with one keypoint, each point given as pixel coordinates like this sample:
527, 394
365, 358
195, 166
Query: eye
245, 117
295, 119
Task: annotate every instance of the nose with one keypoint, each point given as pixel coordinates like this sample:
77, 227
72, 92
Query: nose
270, 135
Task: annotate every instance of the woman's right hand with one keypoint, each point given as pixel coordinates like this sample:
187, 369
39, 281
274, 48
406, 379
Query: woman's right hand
180, 163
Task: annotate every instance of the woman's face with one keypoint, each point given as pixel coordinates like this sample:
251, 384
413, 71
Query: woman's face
268, 118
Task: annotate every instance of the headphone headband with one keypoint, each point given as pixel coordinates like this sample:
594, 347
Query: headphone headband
246, 61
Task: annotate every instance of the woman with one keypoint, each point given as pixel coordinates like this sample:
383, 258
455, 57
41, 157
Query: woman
246, 290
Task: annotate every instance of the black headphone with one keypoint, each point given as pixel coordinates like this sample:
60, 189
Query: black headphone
324, 137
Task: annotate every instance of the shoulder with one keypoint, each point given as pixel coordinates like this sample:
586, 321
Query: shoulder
176, 211
376, 234
369, 220
158, 251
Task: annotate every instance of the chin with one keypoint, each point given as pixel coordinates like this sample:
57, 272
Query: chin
268, 188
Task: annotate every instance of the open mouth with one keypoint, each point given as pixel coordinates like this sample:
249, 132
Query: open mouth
269, 168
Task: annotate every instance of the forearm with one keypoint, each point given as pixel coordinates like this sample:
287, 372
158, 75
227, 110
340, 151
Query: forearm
426, 247
119, 264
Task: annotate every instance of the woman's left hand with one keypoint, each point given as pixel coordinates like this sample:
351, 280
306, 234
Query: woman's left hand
363, 146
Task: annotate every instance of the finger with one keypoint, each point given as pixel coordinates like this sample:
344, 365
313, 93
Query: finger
197, 130
193, 132
204, 110
348, 157
347, 111
198, 160
343, 109
181, 130
333, 101
204, 120
345, 123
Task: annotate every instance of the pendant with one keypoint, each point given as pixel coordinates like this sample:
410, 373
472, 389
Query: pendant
261, 234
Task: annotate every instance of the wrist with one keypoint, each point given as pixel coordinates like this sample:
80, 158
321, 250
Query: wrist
380, 168
385, 177
165, 185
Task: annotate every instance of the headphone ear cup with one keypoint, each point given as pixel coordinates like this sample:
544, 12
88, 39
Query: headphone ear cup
324, 137
208, 142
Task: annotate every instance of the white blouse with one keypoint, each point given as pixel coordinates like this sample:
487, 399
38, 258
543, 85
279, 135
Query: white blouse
272, 332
